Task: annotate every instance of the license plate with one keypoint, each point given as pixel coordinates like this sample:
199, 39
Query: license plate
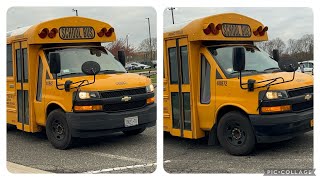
311, 123
131, 121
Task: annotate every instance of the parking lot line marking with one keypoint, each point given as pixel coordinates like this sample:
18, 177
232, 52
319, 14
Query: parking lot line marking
113, 156
121, 168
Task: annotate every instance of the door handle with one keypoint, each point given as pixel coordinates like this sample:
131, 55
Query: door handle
11, 85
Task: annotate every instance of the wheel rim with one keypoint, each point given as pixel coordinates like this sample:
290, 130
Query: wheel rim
235, 134
58, 130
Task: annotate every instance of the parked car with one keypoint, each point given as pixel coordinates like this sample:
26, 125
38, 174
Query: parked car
306, 67
154, 62
136, 66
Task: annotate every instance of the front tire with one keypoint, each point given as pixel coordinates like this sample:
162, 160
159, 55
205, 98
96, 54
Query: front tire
235, 133
134, 132
57, 130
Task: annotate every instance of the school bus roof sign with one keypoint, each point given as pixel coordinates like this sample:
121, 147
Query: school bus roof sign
72, 33
221, 27
69, 30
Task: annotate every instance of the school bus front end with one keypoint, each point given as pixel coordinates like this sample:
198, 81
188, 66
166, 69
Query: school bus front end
217, 83
64, 81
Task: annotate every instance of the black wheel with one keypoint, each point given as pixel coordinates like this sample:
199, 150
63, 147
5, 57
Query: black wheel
235, 134
134, 132
57, 130
11, 127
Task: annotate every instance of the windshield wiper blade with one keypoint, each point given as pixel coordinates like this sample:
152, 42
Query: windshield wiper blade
107, 71
246, 70
273, 68
61, 75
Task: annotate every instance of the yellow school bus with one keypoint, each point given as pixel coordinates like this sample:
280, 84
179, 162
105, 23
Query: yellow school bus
62, 80
218, 84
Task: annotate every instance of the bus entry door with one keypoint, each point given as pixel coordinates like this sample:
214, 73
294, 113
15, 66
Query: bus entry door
179, 87
22, 85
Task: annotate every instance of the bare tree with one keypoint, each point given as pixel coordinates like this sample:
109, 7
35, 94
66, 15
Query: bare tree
118, 45
145, 46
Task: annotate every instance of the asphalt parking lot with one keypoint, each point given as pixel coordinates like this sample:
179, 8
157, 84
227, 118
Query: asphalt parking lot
195, 156
115, 153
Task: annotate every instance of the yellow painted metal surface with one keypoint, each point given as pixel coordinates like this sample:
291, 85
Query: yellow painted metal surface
50, 94
32, 37
194, 29
224, 91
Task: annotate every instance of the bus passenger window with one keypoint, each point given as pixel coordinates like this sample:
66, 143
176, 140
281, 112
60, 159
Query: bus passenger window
18, 65
184, 64
173, 66
187, 111
175, 110
9, 60
25, 64
39, 83
205, 94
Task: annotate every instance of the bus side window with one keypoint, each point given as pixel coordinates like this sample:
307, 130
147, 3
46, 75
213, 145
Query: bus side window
173, 62
9, 60
25, 64
39, 82
205, 90
184, 64
18, 65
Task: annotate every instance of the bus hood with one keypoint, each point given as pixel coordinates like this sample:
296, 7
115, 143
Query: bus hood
105, 82
300, 80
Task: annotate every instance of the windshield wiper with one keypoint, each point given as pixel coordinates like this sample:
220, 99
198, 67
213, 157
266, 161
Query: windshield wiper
246, 70
273, 68
110, 71
61, 75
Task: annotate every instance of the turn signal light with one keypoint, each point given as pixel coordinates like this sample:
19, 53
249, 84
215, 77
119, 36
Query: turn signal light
105, 32
260, 31
43, 33
212, 28
53, 33
207, 30
102, 31
276, 109
109, 32
88, 108
150, 100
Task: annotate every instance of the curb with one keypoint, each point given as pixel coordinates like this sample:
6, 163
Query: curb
17, 168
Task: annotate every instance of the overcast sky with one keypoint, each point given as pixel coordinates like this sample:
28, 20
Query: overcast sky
125, 20
284, 23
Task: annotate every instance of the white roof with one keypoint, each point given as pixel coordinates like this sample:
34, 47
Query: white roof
18, 31
310, 61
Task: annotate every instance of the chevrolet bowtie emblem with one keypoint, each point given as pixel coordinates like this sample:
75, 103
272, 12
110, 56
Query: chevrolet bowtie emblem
307, 97
126, 98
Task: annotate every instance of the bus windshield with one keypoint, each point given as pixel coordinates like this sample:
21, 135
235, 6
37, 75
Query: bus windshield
72, 59
257, 61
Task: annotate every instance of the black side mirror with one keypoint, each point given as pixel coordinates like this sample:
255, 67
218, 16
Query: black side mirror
288, 65
122, 58
238, 58
55, 63
276, 55
90, 68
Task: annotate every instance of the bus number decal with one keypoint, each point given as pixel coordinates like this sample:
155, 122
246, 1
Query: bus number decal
222, 83
236, 30
71, 33
10, 101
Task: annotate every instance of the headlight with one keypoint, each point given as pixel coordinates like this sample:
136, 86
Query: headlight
88, 95
150, 88
273, 95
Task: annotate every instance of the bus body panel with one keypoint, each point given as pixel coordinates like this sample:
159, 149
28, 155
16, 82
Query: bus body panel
31, 99
225, 92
